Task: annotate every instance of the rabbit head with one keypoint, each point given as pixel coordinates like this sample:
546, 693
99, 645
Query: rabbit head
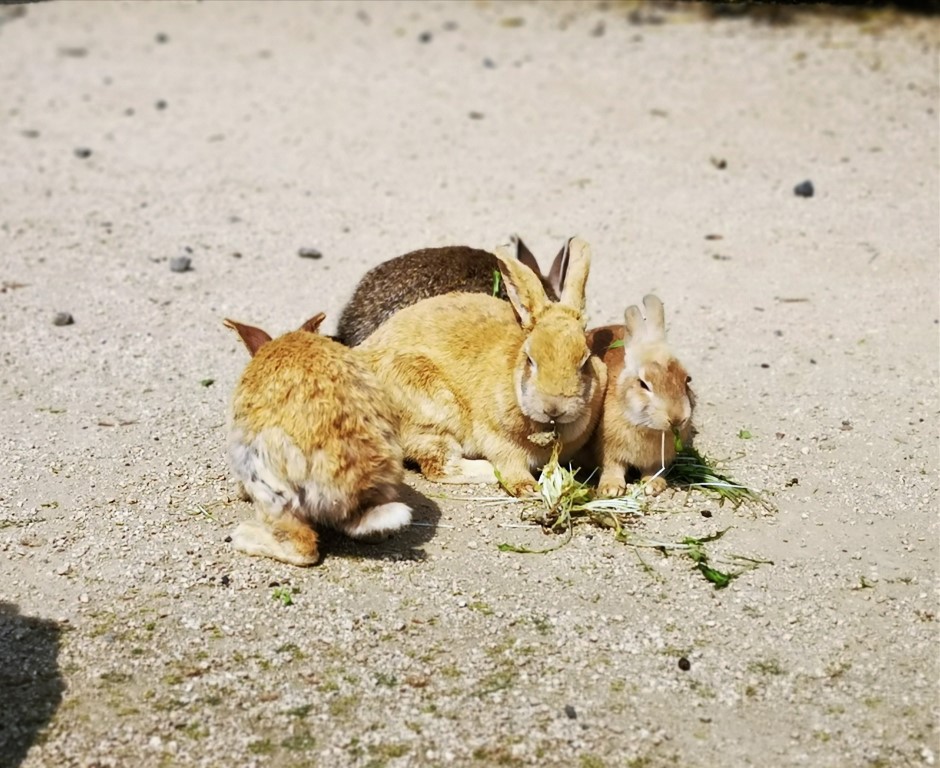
654, 386
552, 379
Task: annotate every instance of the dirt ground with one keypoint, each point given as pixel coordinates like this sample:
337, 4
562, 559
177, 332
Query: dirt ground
131, 634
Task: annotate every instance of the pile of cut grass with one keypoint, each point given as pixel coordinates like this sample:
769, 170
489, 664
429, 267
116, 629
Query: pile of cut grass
567, 501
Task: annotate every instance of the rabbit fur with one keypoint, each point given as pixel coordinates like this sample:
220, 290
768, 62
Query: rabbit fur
405, 280
648, 401
474, 377
314, 441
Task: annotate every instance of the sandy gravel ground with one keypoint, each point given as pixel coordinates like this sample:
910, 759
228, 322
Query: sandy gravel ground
236, 133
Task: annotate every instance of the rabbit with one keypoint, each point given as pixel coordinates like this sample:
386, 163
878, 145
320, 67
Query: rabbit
478, 380
648, 401
314, 441
405, 280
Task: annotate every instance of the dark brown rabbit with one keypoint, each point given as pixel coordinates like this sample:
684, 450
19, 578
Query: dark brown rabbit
406, 280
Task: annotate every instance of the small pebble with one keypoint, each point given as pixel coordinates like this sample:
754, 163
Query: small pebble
82, 152
161, 104
425, 37
684, 664
309, 253
30, 133
706, 513
63, 318
765, 365
489, 63
225, 581
180, 264
804, 189
570, 712
476, 115
162, 37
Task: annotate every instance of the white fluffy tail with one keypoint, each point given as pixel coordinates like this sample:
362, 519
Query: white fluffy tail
380, 522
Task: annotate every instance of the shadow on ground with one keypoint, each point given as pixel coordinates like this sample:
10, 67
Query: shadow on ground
406, 545
31, 685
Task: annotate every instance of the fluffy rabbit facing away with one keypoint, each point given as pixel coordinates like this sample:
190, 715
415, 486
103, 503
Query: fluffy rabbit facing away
406, 280
648, 400
476, 378
313, 441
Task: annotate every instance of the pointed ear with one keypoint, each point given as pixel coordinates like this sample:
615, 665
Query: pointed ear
577, 268
559, 270
313, 324
655, 318
253, 338
523, 287
525, 255
633, 320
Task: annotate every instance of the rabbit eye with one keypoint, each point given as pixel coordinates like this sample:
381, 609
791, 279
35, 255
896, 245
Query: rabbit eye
645, 385
688, 379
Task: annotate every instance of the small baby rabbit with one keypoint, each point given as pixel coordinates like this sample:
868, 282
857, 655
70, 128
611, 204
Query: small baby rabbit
314, 441
648, 399
405, 280
475, 378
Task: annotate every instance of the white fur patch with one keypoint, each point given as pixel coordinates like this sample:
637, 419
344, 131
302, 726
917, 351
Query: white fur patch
380, 520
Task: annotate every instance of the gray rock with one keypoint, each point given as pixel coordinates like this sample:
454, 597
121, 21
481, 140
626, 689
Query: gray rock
62, 318
309, 253
180, 264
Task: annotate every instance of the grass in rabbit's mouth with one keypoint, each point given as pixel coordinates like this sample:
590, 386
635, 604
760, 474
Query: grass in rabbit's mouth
565, 501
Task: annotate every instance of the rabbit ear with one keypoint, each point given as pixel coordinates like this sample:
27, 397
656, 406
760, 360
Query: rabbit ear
523, 287
525, 255
578, 265
559, 270
655, 318
633, 320
253, 338
313, 324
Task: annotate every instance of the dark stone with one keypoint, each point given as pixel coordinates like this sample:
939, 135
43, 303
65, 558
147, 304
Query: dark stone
161, 104
425, 37
82, 152
63, 318
162, 37
804, 189
684, 664
570, 712
309, 253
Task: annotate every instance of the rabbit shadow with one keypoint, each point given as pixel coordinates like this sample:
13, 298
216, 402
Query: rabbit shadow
31, 684
407, 544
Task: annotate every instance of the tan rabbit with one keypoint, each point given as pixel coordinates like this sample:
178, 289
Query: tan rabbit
314, 441
474, 378
648, 399
405, 280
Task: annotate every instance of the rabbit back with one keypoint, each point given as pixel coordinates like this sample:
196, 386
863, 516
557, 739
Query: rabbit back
407, 279
313, 432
